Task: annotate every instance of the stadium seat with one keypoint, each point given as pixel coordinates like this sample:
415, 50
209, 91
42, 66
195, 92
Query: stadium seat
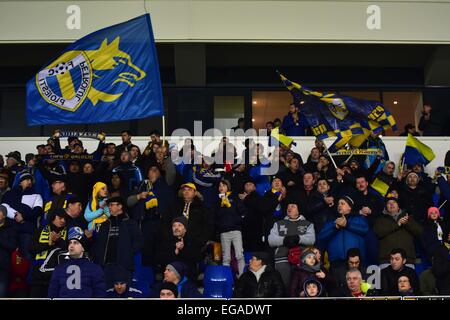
218, 282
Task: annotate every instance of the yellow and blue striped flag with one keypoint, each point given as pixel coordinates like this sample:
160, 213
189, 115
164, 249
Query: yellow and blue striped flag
349, 119
416, 152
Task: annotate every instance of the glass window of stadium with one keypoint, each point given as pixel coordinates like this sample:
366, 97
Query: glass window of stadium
227, 110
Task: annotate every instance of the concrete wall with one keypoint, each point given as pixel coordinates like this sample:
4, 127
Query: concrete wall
395, 145
236, 21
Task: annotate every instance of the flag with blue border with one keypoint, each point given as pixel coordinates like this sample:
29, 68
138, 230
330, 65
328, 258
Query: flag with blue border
109, 75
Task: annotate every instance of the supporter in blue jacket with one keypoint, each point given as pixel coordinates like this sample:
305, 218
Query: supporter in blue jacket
78, 277
24, 205
294, 124
347, 231
130, 173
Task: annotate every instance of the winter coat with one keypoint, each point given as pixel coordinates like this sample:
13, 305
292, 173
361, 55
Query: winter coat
389, 280
253, 223
338, 241
415, 201
392, 236
229, 219
129, 242
8, 243
64, 282
291, 129
200, 221
28, 203
269, 285
289, 227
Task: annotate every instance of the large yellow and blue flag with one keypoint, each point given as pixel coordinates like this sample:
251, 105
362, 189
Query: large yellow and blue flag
349, 119
109, 75
417, 152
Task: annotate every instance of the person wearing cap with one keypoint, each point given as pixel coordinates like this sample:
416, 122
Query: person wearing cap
8, 243
190, 204
76, 276
396, 228
24, 206
4, 183
181, 246
294, 231
74, 217
97, 211
45, 240
252, 223
14, 163
168, 290
435, 232
122, 286
309, 269
59, 195
414, 198
260, 280
345, 232
175, 273
116, 241
228, 214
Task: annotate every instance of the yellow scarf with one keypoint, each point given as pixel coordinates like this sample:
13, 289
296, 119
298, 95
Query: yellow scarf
225, 202
94, 202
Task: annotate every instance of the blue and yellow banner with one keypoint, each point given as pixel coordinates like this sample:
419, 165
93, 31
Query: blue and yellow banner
109, 75
417, 152
349, 119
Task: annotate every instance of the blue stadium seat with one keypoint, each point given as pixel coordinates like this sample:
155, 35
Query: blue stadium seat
143, 277
218, 282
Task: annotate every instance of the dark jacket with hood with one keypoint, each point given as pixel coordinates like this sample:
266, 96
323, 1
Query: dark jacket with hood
415, 201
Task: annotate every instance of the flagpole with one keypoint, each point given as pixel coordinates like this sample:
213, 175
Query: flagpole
443, 203
331, 157
351, 155
164, 129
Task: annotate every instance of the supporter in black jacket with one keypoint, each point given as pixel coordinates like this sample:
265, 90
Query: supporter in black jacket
260, 280
253, 222
414, 198
441, 270
190, 204
321, 205
180, 247
8, 243
117, 241
435, 232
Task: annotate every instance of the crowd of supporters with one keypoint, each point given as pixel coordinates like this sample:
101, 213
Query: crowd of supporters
81, 225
